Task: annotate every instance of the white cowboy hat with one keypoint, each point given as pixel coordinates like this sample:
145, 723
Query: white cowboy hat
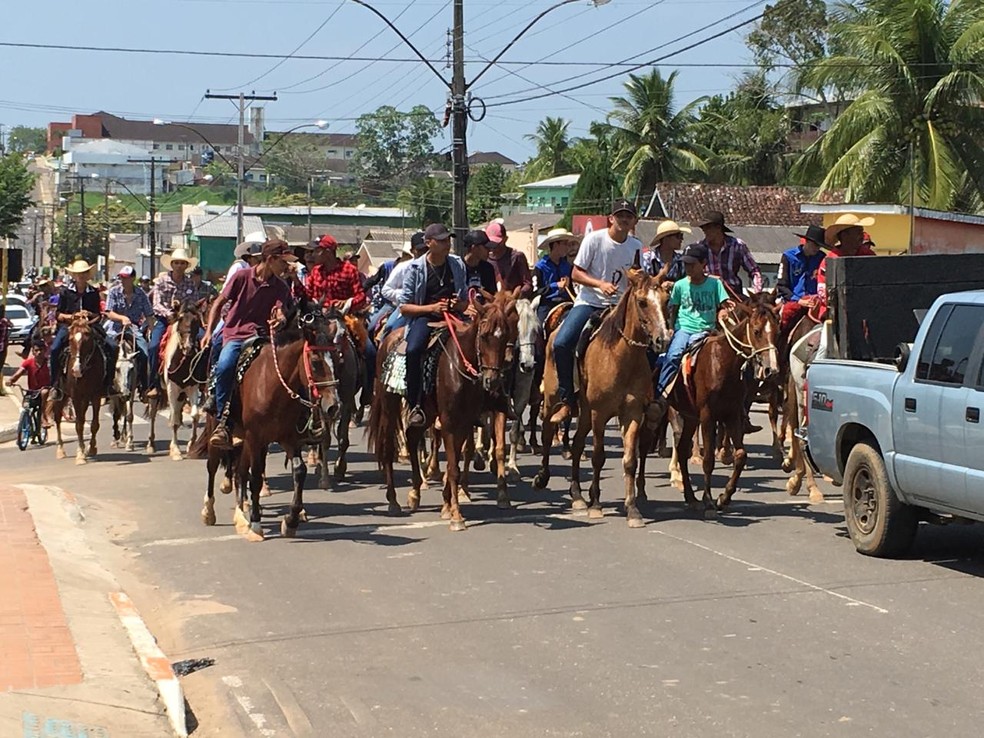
557, 234
843, 222
250, 239
669, 228
405, 250
79, 266
178, 255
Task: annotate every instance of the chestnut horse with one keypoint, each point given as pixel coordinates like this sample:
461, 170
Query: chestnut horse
615, 381
83, 384
471, 378
719, 392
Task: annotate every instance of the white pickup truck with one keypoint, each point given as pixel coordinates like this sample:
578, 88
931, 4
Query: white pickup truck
905, 441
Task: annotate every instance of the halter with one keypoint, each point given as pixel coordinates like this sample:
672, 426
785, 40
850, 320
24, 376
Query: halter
313, 384
752, 351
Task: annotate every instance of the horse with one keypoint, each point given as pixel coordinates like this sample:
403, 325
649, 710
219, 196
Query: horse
287, 396
83, 384
554, 318
719, 392
126, 383
530, 337
615, 381
462, 395
798, 359
184, 369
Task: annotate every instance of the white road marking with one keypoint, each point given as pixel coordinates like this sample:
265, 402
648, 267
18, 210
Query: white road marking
257, 718
851, 601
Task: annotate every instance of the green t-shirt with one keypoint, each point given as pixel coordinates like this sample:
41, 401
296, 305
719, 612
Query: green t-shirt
698, 304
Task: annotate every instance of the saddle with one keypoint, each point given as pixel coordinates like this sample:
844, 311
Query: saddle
555, 317
588, 333
394, 376
688, 363
251, 349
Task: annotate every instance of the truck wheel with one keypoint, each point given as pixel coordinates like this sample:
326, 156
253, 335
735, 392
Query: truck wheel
879, 523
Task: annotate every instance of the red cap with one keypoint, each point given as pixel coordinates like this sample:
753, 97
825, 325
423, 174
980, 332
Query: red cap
328, 242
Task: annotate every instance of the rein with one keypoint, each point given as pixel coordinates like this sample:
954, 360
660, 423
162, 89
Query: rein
451, 322
733, 339
314, 385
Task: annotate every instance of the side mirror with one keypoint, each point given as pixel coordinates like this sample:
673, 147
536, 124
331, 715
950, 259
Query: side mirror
902, 352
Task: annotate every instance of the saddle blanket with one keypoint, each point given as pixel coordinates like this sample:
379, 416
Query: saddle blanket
394, 376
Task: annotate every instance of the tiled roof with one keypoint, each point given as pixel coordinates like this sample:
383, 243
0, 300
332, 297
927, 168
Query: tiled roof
295, 235
144, 130
525, 221
765, 206
491, 157
381, 233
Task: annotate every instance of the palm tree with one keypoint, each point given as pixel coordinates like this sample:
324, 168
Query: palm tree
654, 142
912, 70
552, 145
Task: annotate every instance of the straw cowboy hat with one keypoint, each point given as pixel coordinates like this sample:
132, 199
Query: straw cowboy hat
79, 266
256, 238
668, 228
557, 234
843, 222
178, 255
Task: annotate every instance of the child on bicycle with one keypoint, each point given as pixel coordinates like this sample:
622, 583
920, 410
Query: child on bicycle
35, 368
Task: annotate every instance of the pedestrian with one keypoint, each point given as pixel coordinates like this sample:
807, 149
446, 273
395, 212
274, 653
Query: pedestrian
727, 255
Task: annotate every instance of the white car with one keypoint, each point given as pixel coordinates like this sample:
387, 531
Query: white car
23, 320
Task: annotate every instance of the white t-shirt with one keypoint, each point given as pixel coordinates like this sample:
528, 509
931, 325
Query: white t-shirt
393, 288
601, 257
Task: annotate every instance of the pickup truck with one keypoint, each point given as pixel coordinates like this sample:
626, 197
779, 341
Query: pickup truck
905, 441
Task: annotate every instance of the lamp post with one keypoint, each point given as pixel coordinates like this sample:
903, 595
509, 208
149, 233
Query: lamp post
81, 178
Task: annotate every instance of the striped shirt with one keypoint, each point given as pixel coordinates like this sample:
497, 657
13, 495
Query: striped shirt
730, 260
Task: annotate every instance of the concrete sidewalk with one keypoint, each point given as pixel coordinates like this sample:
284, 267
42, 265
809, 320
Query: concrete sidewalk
10, 404
70, 663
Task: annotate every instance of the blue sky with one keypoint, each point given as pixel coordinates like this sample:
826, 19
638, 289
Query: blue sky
40, 85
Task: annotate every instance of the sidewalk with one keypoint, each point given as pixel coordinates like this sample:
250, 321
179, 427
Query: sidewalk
69, 665
10, 404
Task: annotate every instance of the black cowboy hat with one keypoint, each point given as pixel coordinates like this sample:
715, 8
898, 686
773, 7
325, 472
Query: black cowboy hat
713, 217
814, 233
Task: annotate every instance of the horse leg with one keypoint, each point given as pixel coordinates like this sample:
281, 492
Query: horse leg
535, 404
94, 428
684, 448
775, 399
177, 411
480, 459
630, 460
515, 434
152, 418
414, 439
79, 431
298, 470
464, 480
452, 451
542, 477
646, 444
709, 432
129, 422
597, 463
320, 453
502, 493
341, 460
194, 398
577, 499
257, 468
735, 427
724, 451
208, 509
117, 421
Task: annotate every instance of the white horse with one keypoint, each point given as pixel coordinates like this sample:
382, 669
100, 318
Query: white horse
126, 383
530, 334
809, 348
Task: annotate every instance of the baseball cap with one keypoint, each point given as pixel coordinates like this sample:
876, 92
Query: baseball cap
278, 248
695, 253
198, 269
623, 205
127, 271
417, 241
476, 238
496, 232
327, 241
436, 232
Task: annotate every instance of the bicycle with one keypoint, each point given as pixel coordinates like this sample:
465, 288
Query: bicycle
30, 426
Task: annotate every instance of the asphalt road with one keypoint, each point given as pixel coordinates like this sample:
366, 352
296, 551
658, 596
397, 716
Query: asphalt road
536, 622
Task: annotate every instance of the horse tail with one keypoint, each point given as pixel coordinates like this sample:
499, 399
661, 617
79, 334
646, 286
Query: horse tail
383, 427
199, 449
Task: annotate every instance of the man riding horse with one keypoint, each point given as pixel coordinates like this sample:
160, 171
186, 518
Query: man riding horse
552, 273
173, 285
799, 268
129, 307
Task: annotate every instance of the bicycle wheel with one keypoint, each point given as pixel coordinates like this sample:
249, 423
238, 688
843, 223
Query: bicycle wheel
24, 430
41, 435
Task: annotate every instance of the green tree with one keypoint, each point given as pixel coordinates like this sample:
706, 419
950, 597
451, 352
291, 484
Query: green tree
791, 31
485, 188
912, 70
395, 148
598, 184
655, 141
293, 161
552, 144
16, 184
428, 200
24, 138
100, 221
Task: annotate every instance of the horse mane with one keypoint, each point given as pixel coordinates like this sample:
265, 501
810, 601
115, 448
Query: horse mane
614, 323
292, 331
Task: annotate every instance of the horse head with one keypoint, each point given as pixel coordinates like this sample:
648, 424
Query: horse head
81, 337
651, 297
188, 324
528, 336
497, 324
762, 333
320, 330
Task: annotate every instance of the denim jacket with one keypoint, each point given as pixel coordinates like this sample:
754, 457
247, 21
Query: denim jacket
415, 280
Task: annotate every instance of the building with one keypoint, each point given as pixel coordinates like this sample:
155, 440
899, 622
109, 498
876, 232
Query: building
337, 149
809, 120
321, 216
212, 238
481, 158
373, 253
109, 164
550, 195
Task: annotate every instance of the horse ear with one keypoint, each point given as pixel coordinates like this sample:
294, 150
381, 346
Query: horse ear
517, 292
663, 272
175, 305
636, 263
487, 295
202, 304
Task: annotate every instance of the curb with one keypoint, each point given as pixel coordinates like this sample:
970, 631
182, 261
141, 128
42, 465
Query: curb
154, 661
8, 433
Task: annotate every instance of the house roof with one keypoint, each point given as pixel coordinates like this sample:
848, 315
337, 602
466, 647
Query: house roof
296, 235
526, 221
381, 233
380, 251
222, 226
889, 209
145, 130
319, 210
491, 157
768, 206
564, 180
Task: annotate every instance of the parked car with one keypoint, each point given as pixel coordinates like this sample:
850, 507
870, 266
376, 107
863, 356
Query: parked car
905, 440
23, 320
15, 298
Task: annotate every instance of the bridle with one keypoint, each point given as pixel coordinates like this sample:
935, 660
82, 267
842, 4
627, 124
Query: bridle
470, 373
320, 350
746, 349
82, 325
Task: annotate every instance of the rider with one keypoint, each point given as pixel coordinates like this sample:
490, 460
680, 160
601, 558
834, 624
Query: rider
599, 267
393, 289
479, 273
204, 290
129, 307
78, 296
511, 268
173, 285
797, 279
846, 237
434, 284
727, 255
252, 295
695, 307
665, 248
376, 284
552, 273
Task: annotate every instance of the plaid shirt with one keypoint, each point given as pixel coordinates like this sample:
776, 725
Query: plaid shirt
205, 291
166, 291
137, 309
341, 283
727, 264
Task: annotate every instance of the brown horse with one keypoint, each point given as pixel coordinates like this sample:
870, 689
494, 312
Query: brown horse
287, 396
615, 381
83, 384
718, 398
471, 376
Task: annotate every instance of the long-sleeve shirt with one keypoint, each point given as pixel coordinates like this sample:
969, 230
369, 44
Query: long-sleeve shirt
730, 260
512, 271
652, 264
393, 288
546, 275
137, 308
343, 282
798, 274
166, 291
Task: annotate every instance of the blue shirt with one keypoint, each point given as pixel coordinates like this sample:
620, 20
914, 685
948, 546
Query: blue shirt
546, 275
137, 310
798, 273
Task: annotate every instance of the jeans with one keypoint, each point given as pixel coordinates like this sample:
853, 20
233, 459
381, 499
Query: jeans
215, 348
417, 335
225, 374
671, 359
395, 320
378, 316
54, 358
154, 359
564, 346
370, 355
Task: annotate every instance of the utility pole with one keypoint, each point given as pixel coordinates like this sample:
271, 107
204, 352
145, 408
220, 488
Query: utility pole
106, 233
151, 211
241, 99
459, 126
310, 182
34, 244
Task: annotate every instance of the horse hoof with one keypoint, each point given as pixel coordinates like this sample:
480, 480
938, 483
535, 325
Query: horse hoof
579, 505
595, 513
521, 448
566, 453
541, 479
255, 533
286, 531
176, 456
208, 515
636, 522
463, 496
240, 521
129, 447
478, 464
457, 525
710, 513
787, 465
513, 475
149, 449
80, 460
641, 498
226, 486
503, 504
59, 453
394, 509
816, 496
265, 490
302, 516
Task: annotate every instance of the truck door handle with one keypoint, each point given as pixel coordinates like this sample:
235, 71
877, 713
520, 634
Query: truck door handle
973, 415
910, 404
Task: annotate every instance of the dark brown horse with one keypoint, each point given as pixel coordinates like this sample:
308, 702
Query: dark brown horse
718, 398
83, 384
470, 381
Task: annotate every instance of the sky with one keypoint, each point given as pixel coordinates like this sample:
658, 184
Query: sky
571, 45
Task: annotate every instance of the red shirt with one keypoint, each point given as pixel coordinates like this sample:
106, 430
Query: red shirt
38, 375
834, 253
251, 301
340, 283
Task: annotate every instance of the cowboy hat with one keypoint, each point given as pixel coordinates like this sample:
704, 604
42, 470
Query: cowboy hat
813, 233
557, 234
80, 266
713, 217
669, 228
179, 254
256, 237
843, 222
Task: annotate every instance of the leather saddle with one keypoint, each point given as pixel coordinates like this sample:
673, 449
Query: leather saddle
589, 331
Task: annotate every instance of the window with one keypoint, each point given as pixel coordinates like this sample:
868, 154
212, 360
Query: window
348, 154
169, 147
951, 353
157, 146
191, 147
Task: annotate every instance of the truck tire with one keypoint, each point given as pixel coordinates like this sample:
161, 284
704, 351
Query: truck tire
879, 523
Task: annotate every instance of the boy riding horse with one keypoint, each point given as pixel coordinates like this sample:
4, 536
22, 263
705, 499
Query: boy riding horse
797, 281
